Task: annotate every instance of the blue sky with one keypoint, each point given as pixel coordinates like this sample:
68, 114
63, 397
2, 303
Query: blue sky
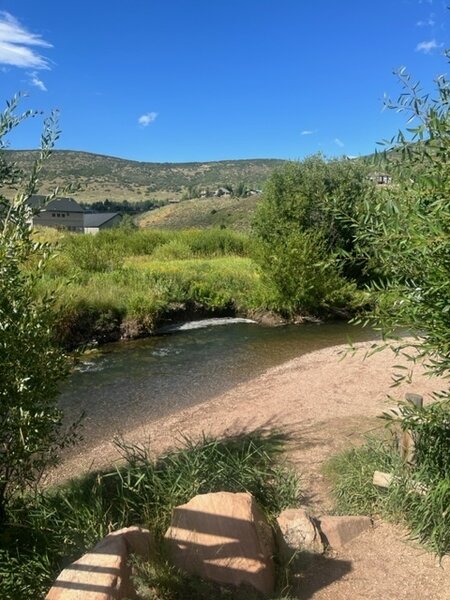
188, 80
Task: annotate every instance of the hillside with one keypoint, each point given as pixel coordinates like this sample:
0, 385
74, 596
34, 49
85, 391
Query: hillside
101, 177
202, 213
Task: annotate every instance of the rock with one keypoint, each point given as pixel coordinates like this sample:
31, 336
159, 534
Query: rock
223, 537
298, 532
339, 531
103, 573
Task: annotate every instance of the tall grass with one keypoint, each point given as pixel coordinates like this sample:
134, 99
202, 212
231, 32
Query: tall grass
129, 301
46, 532
419, 496
123, 282
120, 283
91, 253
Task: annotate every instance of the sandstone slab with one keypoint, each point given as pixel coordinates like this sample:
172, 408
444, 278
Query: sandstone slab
223, 537
339, 531
103, 573
298, 532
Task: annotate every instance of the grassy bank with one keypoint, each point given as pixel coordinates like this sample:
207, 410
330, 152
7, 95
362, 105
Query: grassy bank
419, 495
122, 284
43, 534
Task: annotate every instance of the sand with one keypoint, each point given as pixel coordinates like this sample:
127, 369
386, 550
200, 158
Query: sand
324, 403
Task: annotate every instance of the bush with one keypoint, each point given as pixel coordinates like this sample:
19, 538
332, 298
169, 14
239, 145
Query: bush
31, 365
303, 278
405, 234
307, 246
173, 250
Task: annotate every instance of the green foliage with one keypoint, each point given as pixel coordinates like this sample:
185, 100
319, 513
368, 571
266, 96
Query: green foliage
128, 223
405, 235
405, 238
129, 300
89, 255
31, 366
47, 531
303, 279
426, 514
351, 473
122, 282
173, 250
106, 250
307, 247
430, 427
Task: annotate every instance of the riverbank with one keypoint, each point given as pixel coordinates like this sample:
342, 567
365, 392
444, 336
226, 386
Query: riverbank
121, 285
324, 403
321, 400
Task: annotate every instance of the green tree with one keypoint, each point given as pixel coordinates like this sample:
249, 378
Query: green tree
307, 245
405, 235
31, 365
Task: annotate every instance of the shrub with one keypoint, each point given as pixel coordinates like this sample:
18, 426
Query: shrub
174, 250
305, 280
31, 365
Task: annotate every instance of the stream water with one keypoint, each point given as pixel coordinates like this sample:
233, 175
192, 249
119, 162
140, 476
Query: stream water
131, 383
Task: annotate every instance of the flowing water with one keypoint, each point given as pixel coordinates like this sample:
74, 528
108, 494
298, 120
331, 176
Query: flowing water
131, 383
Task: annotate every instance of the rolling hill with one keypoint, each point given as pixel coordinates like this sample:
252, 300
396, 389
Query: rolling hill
100, 177
202, 213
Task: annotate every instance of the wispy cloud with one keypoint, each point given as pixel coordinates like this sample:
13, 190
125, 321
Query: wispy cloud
147, 118
430, 22
309, 131
17, 45
339, 142
427, 47
36, 81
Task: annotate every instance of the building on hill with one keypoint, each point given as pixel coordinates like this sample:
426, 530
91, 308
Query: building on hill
222, 191
67, 215
381, 178
60, 213
94, 222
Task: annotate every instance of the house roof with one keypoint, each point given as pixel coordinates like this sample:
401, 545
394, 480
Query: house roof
63, 204
98, 219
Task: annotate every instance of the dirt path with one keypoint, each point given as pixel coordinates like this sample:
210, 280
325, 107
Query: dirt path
324, 404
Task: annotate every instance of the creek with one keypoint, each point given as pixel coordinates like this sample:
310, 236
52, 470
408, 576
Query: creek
131, 383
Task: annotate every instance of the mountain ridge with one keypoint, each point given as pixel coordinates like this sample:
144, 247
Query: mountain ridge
101, 177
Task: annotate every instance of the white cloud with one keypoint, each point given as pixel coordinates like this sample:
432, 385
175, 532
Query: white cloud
34, 80
16, 45
146, 119
339, 142
308, 131
427, 47
430, 22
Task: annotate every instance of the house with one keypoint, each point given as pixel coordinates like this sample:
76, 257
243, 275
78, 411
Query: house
381, 178
60, 213
222, 191
94, 222
66, 214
